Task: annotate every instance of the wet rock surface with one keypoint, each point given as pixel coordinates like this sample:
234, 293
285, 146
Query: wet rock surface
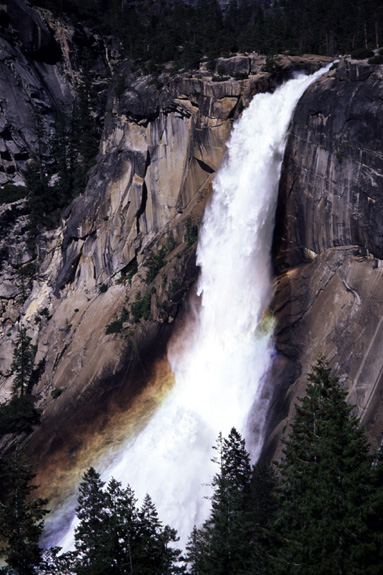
328, 243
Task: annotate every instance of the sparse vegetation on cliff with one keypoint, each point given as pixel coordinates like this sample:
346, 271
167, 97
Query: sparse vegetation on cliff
191, 232
154, 262
19, 414
140, 308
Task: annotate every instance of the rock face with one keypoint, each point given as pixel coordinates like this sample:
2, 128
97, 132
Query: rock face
328, 243
40, 71
127, 239
27, 49
111, 281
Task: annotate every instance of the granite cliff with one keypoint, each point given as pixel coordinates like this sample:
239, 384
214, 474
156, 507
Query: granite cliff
111, 281
328, 242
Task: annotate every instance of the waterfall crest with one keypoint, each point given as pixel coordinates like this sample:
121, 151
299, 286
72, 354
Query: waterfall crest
221, 357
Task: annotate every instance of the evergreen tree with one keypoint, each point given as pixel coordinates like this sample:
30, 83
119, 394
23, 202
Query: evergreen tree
155, 555
22, 363
325, 483
263, 508
21, 517
121, 529
196, 552
38, 196
374, 512
19, 414
222, 545
56, 563
115, 538
62, 149
89, 535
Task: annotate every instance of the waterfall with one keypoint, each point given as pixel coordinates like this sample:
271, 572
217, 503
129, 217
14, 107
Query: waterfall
224, 351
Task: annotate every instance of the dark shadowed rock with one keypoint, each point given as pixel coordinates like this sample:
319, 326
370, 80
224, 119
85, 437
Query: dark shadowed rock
34, 36
329, 240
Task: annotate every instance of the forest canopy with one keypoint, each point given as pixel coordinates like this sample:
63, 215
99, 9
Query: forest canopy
185, 32
316, 511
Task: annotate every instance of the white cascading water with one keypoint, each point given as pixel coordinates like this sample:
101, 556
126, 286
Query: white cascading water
224, 352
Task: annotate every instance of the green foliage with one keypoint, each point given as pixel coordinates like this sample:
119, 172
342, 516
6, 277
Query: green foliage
211, 65
130, 270
325, 482
21, 517
45, 312
114, 536
321, 515
191, 232
272, 65
362, 54
22, 363
103, 288
374, 517
187, 32
170, 243
220, 78
18, 415
241, 76
154, 263
117, 325
56, 392
114, 327
73, 145
140, 308
222, 544
89, 535
376, 60
263, 508
174, 286
10, 193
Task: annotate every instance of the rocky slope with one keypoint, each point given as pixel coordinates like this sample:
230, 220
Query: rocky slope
113, 278
328, 244
128, 241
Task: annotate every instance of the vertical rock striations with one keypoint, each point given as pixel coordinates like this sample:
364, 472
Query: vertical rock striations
110, 281
329, 241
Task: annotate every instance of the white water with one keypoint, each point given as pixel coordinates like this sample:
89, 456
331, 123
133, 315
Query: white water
222, 356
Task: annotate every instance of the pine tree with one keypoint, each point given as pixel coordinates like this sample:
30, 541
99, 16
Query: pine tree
21, 517
19, 414
154, 553
263, 508
196, 552
56, 563
325, 483
62, 149
114, 537
373, 552
89, 535
22, 363
222, 545
121, 529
